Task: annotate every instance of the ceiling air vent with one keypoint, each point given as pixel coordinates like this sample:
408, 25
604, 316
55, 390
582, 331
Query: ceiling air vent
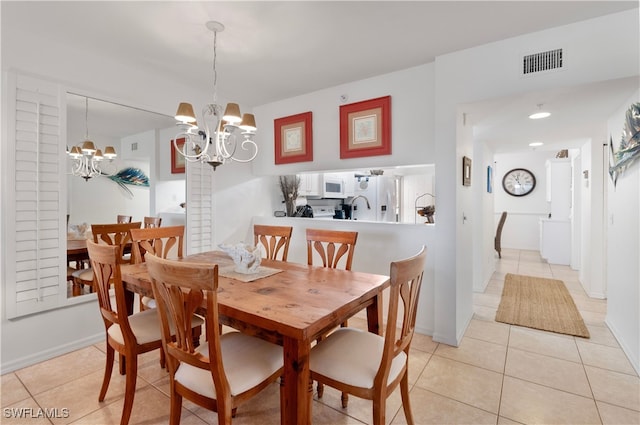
543, 61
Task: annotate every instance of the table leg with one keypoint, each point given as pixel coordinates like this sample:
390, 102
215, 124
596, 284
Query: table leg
297, 397
374, 315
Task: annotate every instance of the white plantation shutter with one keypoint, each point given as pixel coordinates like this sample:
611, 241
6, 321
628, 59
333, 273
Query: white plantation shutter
36, 237
200, 198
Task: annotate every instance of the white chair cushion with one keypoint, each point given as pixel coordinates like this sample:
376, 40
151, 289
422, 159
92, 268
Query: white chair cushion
84, 274
149, 302
146, 327
247, 361
353, 357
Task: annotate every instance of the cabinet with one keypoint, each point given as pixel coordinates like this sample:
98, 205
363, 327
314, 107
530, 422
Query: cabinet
309, 184
555, 241
559, 188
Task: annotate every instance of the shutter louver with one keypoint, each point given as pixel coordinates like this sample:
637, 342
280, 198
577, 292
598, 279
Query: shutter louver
200, 200
36, 266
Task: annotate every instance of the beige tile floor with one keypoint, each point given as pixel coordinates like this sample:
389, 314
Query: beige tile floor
500, 374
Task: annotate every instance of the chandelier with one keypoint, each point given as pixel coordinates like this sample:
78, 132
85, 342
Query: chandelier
230, 129
87, 159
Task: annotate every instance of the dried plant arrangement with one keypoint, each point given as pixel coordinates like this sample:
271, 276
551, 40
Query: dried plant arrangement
289, 186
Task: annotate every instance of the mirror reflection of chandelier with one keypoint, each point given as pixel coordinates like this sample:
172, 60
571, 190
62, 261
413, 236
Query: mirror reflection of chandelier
230, 129
87, 159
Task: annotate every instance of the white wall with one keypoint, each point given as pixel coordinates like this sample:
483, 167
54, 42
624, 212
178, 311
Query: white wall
491, 71
484, 229
623, 248
521, 230
411, 92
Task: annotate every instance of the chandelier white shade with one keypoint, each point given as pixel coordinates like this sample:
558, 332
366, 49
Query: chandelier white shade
87, 160
217, 139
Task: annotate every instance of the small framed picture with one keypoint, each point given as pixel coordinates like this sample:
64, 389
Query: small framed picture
365, 128
466, 171
293, 138
177, 160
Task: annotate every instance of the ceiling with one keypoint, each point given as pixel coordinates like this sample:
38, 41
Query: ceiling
276, 50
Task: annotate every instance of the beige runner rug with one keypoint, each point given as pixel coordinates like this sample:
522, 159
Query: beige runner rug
539, 303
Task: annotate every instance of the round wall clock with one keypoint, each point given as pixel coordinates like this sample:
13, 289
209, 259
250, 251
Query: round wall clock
519, 182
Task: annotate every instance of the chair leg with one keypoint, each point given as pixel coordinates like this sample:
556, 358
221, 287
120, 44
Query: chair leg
379, 410
406, 402
176, 408
108, 369
130, 388
345, 400
163, 361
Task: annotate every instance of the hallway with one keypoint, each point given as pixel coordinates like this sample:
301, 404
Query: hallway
500, 374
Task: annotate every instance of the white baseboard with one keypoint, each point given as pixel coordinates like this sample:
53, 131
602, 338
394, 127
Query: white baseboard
635, 363
50, 353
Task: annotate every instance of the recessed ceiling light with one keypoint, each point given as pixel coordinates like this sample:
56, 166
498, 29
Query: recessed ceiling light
540, 113
534, 144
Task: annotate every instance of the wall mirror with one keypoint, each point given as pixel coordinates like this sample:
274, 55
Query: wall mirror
142, 143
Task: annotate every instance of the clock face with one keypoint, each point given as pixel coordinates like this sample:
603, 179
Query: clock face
519, 182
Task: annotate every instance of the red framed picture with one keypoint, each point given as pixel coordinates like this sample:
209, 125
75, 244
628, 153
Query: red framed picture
177, 160
293, 138
365, 128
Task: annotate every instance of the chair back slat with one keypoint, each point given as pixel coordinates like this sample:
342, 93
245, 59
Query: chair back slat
124, 219
164, 242
332, 246
406, 280
150, 222
273, 240
118, 234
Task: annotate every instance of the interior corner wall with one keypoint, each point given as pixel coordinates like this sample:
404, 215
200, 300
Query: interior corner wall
491, 71
623, 248
466, 230
484, 254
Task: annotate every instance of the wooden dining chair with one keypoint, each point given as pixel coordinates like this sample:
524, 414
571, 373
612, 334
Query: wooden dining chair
497, 241
226, 371
150, 222
333, 246
371, 366
117, 234
163, 242
128, 335
273, 239
124, 219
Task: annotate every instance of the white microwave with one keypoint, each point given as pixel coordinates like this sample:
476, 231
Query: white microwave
333, 187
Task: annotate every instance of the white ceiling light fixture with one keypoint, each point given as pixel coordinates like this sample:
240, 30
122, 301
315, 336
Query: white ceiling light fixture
540, 113
228, 127
535, 144
88, 161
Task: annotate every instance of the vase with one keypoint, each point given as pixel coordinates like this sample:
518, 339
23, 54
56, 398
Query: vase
291, 207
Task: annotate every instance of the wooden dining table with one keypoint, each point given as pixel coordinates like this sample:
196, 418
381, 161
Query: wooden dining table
292, 308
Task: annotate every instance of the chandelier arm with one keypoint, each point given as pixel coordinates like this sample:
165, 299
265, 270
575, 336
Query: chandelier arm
243, 146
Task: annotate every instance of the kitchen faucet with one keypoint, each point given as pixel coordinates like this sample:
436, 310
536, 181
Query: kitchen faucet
354, 200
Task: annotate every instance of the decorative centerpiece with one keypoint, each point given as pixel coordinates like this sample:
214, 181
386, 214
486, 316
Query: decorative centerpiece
289, 186
246, 257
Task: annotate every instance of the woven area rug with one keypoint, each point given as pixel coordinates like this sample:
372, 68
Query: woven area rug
540, 303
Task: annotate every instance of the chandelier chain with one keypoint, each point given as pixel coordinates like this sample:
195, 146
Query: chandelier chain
215, 70
86, 117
